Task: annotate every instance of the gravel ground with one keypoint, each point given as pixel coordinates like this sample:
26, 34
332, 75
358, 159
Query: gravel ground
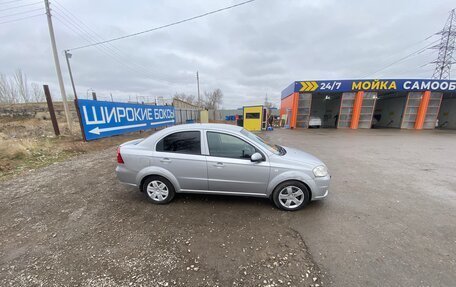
389, 220
72, 223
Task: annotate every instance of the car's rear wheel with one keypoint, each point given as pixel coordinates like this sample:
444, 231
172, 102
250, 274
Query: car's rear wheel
291, 195
158, 189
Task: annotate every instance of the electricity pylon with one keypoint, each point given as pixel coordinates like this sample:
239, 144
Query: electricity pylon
446, 48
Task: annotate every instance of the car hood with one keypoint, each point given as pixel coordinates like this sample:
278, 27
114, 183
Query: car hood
301, 157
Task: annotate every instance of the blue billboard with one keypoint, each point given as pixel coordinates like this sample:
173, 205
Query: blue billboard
375, 85
101, 119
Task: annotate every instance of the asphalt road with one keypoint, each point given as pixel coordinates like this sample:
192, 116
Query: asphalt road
390, 218
389, 221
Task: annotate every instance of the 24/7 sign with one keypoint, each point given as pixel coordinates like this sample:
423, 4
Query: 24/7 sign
104, 119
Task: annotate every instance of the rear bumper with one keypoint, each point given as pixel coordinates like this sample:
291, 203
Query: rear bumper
126, 176
321, 188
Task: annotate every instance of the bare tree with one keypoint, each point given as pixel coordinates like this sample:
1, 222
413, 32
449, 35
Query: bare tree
213, 100
20, 80
8, 93
37, 93
185, 98
268, 104
16, 89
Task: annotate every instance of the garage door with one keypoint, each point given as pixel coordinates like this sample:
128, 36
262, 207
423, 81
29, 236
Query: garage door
346, 110
411, 110
367, 110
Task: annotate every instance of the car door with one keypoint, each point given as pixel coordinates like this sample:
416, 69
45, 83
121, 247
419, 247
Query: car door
229, 168
180, 154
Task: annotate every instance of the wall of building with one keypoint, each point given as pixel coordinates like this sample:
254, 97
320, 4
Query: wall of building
391, 109
448, 113
179, 104
290, 102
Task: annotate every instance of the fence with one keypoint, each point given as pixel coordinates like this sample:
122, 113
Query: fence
34, 110
183, 116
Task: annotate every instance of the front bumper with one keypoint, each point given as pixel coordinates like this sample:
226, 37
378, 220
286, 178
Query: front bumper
321, 188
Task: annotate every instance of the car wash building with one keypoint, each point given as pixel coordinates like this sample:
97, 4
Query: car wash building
377, 103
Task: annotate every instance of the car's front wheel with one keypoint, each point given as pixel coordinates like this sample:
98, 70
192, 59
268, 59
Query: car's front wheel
158, 189
291, 195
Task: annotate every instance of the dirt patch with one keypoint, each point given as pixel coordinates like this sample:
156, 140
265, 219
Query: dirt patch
30, 143
72, 223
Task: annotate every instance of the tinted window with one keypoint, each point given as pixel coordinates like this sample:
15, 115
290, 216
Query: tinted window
224, 145
182, 142
252, 115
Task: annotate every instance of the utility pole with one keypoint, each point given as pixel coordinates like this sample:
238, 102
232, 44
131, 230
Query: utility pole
57, 66
446, 48
67, 57
198, 85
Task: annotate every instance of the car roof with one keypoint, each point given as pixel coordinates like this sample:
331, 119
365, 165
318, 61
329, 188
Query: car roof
185, 127
205, 126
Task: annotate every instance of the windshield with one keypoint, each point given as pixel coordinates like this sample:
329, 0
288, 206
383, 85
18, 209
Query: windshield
276, 149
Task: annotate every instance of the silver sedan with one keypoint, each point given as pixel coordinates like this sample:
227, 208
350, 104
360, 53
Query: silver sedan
220, 159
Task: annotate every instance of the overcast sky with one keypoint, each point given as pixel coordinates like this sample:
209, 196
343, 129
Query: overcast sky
247, 52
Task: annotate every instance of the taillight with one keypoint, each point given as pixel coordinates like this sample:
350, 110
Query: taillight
119, 156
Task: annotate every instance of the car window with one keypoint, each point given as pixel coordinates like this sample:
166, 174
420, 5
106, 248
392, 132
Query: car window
252, 115
181, 142
271, 147
224, 145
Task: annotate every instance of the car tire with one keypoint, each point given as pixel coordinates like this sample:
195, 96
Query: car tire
291, 195
158, 189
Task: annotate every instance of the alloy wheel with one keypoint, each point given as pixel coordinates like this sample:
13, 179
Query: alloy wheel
291, 197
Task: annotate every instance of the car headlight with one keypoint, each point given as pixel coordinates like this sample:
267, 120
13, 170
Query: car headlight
320, 171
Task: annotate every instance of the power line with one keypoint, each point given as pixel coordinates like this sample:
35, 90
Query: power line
9, 2
19, 13
419, 51
20, 6
90, 39
20, 19
109, 48
164, 26
83, 27
102, 49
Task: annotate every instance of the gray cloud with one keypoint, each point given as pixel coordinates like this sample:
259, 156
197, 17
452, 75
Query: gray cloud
248, 52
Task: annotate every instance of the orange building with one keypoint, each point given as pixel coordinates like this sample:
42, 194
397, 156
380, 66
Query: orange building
376, 103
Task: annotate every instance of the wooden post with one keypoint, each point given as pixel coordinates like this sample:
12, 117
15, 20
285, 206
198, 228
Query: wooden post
55, 125
79, 119
94, 96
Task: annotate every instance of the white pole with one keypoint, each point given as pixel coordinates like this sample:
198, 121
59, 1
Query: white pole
57, 66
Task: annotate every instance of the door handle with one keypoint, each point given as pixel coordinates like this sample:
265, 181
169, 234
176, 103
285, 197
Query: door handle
165, 160
219, 164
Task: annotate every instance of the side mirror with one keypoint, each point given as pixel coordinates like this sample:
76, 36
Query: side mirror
256, 157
